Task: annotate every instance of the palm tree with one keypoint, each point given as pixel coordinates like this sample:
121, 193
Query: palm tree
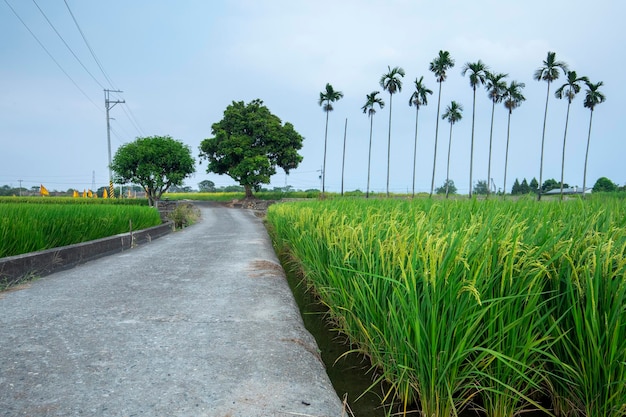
327, 98
593, 97
477, 74
568, 90
495, 86
453, 113
391, 81
418, 98
513, 98
439, 66
369, 109
548, 72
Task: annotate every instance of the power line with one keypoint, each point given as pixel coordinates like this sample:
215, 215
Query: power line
126, 109
132, 119
93, 54
66, 45
50, 55
130, 116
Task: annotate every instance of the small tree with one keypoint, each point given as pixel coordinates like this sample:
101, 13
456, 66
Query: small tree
481, 187
524, 188
206, 186
249, 143
155, 163
549, 184
603, 184
448, 186
516, 187
534, 185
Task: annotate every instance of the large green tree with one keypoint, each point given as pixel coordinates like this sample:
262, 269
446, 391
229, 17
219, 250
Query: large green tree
548, 72
155, 163
439, 66
368, 108
327, 98
477, 76
418, 98
391, 81
593, 97
453, 114
495, 86
249, 143
568, 90
512, 98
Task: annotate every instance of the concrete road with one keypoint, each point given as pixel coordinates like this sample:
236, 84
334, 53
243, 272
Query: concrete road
197, 323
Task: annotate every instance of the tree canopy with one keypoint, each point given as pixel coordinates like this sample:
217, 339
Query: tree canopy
155, 163
481, 187
604, 184
249, 143
449, 185
206, 186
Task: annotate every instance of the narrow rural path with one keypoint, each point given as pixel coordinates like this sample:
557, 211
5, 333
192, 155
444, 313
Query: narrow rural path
197, 323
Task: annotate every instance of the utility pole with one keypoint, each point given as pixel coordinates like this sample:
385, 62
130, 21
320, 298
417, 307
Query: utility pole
109, 104
20, 181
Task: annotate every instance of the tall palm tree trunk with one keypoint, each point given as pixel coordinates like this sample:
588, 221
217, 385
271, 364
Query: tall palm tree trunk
587, 153
448, 168
389, 144
432, 183
569, 102
369, 158
506, 153
324, 165
543, 137
417, 109
343, 162
472, 144
493, 108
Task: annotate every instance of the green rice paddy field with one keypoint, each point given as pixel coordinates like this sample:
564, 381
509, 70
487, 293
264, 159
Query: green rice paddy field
498, 306
33, 224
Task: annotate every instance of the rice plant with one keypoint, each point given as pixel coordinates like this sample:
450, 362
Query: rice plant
482, 304
26, 227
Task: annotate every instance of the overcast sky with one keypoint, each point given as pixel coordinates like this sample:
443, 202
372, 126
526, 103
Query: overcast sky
180, 63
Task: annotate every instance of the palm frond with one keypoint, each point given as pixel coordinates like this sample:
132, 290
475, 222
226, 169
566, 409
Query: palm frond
441, 64
391, 81
478, 72
495, 85
593, 95
453, 113
328, 96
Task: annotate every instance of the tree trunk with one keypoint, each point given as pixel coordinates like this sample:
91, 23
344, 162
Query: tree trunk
369, 157
569, 102
448, 168
432, 182
493, 108
248, 189
543, 136
343, 162
506, 154
417, 109
472, 143
324, 165
587, 153
389, 143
